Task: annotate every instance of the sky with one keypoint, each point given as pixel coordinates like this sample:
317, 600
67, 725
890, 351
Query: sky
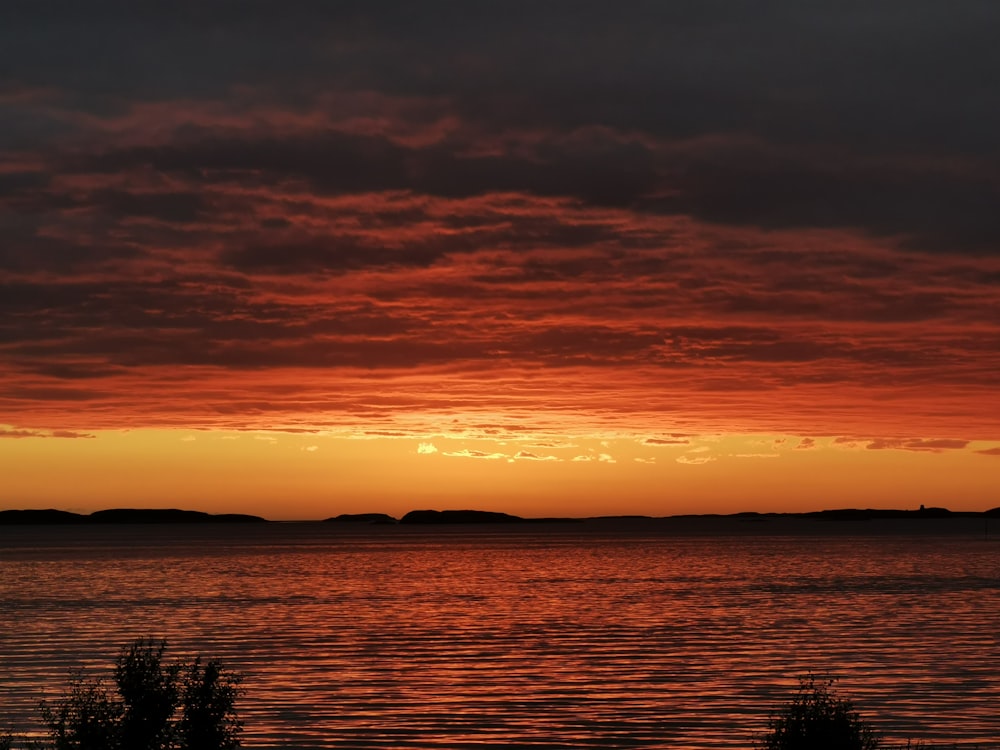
548, 258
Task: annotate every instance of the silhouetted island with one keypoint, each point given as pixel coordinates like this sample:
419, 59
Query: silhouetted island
849, 514
473, 517
169, 515
372, 518
867, 514
124, 515
459, 516
43, 517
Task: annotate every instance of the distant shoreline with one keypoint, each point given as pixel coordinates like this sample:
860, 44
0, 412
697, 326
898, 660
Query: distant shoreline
466, 517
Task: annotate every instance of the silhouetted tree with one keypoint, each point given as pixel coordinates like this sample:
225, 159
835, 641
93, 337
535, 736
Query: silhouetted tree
208, 721
87, 718
149, 693
816, 719
158, 706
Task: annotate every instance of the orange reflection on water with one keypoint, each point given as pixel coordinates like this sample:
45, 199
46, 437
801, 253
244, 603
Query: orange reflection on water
559, 637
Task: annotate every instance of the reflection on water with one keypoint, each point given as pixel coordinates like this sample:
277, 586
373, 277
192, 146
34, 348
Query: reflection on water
559, 637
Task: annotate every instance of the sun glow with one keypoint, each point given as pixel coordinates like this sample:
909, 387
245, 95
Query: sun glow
282, 475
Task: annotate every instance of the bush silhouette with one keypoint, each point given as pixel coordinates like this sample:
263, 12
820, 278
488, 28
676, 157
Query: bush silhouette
816, 719
149, 693
86, 718
208, 721
158, 706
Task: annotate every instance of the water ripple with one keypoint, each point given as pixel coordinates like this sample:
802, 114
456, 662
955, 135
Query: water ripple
391, 640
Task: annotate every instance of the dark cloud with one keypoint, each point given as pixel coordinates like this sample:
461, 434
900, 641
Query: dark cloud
807, 102
335, 162
325, 254
771, 114
292, 252
932, 204
20, 182
927, 206
775, 64
929, 445
902, 74
24, 252
752, 199
174, 207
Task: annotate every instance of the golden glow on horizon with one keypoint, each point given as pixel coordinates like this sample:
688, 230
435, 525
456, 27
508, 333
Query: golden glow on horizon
309, 476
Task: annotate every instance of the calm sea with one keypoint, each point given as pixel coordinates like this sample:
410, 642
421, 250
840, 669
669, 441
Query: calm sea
639, 634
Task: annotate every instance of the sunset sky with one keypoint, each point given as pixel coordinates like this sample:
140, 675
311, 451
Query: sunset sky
306, 258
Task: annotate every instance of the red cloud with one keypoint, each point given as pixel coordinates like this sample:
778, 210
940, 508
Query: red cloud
226, 275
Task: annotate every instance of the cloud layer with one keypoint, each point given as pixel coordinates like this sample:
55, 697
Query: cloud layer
670, 218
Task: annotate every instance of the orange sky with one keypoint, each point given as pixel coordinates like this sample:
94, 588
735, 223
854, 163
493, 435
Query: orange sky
643, 279
306, 476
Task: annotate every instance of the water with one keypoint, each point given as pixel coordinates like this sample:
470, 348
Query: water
564, 636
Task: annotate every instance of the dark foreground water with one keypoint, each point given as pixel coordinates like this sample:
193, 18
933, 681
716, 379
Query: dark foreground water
569, 636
